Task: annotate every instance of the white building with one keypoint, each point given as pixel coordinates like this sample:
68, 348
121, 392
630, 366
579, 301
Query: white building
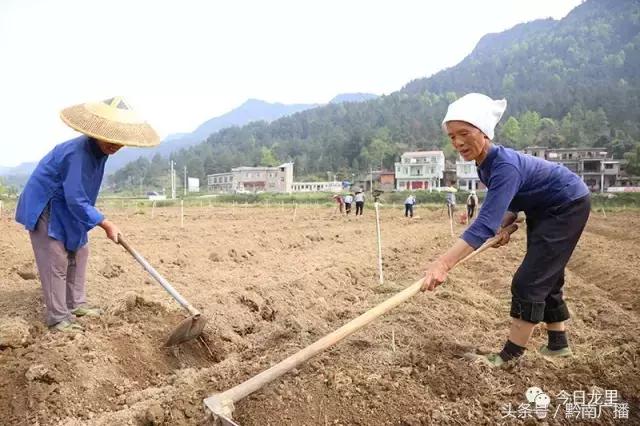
253, 179
467, 174
420, 170
334, 186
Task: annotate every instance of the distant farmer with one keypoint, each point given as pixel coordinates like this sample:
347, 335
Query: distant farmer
472, 202
556, 203
348, 200
339, 203
57, 205
359, 199
409, 202
450, 201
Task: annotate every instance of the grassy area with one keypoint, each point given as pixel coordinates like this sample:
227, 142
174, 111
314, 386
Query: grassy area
433, 200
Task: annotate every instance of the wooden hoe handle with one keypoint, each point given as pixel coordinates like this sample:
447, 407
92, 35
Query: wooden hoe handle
236, 393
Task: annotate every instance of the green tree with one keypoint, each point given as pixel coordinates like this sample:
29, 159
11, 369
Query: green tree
510, 133
267, 158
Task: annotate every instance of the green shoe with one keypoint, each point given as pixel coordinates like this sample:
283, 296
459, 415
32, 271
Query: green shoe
86, 312
560, 353
491, 360
67, 326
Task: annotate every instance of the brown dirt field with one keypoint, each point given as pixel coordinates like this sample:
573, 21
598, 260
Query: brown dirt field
271, 286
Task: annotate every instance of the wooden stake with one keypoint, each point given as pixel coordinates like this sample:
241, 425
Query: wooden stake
181, 213
381, 279
603, 213
153, 207
450, 210
295, 209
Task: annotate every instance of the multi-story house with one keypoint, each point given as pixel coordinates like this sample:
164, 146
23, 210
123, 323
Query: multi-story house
253, 179
420, 170
467, 175
220, 182
594, 165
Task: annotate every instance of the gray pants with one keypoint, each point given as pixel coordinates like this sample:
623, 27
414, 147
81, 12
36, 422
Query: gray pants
62, 272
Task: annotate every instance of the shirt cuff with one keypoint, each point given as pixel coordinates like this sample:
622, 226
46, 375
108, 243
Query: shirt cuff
473, 240
95, 218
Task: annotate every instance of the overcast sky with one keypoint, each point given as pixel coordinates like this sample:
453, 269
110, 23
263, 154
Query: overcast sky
183, 62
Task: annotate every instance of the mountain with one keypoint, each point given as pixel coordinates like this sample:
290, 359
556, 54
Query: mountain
352, 97
19, 170
569, 82
250, 110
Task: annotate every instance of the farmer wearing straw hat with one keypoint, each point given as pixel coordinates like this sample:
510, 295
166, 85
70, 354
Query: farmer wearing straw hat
557, 205
57, 205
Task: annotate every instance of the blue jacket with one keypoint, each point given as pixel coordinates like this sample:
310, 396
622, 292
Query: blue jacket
68, 180
519, 182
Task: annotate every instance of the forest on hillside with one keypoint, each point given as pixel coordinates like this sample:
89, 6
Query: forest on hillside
569, 83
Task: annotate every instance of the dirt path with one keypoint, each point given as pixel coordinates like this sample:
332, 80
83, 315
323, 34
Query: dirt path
271, 286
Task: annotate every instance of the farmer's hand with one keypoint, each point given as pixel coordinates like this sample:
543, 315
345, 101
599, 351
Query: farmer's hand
435, 275
505, 234
111, 229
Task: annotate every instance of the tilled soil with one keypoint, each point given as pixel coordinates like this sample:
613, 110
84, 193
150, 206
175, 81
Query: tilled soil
270, 285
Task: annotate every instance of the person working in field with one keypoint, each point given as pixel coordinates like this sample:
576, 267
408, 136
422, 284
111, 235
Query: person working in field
450, 201
57, 205
409, 202
348, 200
472, 203
359, 199
339, 203
557, 205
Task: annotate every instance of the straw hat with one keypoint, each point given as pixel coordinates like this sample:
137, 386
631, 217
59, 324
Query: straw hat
111, 120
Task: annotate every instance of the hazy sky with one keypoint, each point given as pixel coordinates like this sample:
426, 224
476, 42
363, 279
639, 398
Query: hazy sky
183, 62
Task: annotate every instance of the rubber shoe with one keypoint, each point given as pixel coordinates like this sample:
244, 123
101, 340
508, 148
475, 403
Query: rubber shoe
559, 353
491, 360
87, 312
66, 326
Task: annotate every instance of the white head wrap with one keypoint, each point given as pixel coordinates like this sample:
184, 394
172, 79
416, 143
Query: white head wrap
477, 109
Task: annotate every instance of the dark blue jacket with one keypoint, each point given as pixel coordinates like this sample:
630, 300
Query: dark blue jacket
519, 182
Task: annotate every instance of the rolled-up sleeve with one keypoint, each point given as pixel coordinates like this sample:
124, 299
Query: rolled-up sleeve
75, 172
503, 186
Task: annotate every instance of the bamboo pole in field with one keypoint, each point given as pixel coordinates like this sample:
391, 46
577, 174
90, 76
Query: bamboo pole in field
181, 213
376, 204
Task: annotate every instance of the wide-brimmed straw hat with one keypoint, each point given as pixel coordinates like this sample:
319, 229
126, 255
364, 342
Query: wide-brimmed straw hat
111, 120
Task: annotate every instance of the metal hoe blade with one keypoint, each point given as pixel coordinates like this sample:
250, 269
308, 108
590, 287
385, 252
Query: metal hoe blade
187, 330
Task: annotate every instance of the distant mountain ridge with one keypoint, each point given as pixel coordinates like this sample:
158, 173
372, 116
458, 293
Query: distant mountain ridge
251, 110
352, 97
569, 82
19, 170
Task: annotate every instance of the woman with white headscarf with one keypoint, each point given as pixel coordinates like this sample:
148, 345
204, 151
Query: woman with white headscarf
557, 205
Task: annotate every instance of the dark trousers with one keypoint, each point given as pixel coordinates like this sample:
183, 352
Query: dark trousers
470, 211
347, 207
552, 235
359, 207
408, 210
